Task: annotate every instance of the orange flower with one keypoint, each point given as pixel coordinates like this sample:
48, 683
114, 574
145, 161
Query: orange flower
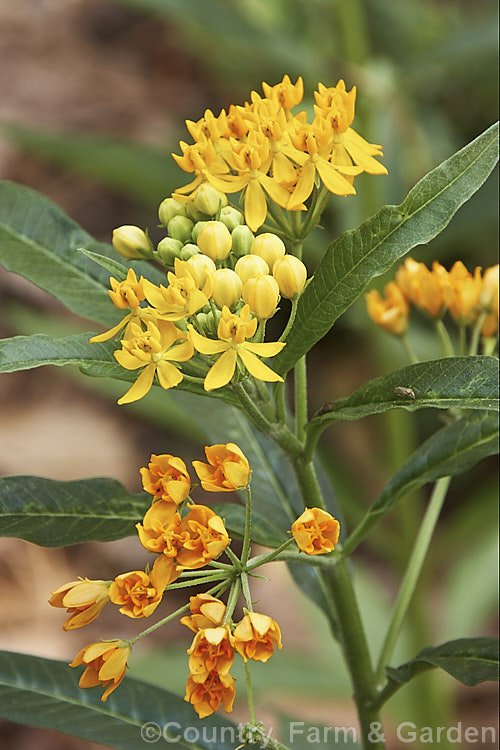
84, 600
105, 665
462, 292
211, 649
489, 301
166, 478
207, 696
204, 537
138, 592
423, 287
206, 612
390, 313
161, 530
316, 531
227, 469
255, 637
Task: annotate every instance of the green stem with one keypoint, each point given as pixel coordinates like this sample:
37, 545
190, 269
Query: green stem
300, 387
252, 412
219, 589
444, 338
245, 589
476, 332
248, 528
408, 349
318, 205
198, 581
279, 218
251, 707
412, 573
293, 312
235, 560
232, 600
462, 341
259, 560
308, 483
279, 400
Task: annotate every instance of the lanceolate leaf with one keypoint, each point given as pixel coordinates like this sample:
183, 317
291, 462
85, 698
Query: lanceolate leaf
454, 382
55, 513
452, 450
359, 255
38, 241
468, 660
45, 693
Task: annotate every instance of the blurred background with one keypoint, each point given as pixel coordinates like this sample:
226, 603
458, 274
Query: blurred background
93, 98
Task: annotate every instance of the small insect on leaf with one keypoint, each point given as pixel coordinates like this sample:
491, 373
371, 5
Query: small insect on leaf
408, 392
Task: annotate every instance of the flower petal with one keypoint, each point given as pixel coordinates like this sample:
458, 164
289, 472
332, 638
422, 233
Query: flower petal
222, 371
255, 205
141, 386
204, 345
257, 368
268, 349
168, 375
333, 180
304, 186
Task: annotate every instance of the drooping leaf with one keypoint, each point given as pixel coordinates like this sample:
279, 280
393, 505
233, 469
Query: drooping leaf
468, 660
451, 450
57, 513
45, 693
454, 382
38, 241
359, 255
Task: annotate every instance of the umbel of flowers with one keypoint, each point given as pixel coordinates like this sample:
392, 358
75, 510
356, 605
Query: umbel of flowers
227, 268
185, 537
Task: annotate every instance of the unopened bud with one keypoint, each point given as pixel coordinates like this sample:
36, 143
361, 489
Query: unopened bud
242, 240
194, 213
214, 240
231, 217
196, 230
208, 199
180, 228
203, 267
170, 208
291, 275
261, 293
251, 265
227, 288
131, 242
268, 246
189, 250
167, 251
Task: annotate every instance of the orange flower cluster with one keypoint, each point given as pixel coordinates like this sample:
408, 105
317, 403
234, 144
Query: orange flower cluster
465, 295
265, 150
212, 651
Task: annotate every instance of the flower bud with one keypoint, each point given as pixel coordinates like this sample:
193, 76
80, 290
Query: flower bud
242, 237
291, 275
194, 214
203, 267
231, 217
214, 240
196, 230
189, 250
209, 321
208, 199
131, 242
268, 246
180, 228
167, 251
251, 265
261, 293
170, 208
227, 287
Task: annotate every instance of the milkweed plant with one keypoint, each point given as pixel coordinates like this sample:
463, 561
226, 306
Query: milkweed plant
191, 313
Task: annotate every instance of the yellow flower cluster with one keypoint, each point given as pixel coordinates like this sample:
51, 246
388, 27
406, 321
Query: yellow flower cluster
468, 297
265, 150
212, 651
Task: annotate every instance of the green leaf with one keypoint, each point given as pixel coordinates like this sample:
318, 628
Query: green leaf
38, 241
454, 382
263, 531
45, 693
118, 270
146, 173
57, 513
451, 450
468, 660
357, 256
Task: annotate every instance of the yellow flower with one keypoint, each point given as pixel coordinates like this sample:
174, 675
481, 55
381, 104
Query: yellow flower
154, 349
214, 240
256, 636
227, 469
316, 531
390, 313
261, 294
233, 330
182, 297
139, 593
286, 93
206, 697
462, 293
206, 612
127, 293
166, 478
210, 650
204, 537
202, 159
423, 287
291, 275
161, 530
250, 265
227, 287
105, 665
84, 600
